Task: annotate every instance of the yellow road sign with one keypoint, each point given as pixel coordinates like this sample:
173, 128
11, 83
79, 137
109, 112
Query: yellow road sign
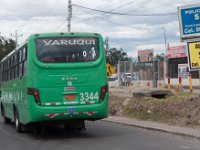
194, 55
110, 70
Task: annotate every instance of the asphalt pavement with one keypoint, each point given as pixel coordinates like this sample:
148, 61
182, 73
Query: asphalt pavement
98, 135
178, 130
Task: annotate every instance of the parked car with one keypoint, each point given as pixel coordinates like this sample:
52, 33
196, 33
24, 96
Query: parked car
126, 79
113, 77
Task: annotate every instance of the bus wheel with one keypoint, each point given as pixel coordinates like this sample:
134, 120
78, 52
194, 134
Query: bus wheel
5, 119
18, 125
82, 126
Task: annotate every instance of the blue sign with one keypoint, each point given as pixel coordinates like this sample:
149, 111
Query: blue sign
189, 18
71, 110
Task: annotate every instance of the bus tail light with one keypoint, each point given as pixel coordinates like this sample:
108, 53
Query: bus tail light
35, 93
104, 90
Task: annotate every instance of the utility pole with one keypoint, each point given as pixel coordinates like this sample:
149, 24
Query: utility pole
106, 44
69, 16
165, 60
165, 39
16, 36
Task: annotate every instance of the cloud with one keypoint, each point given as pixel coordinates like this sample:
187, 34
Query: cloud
131, 33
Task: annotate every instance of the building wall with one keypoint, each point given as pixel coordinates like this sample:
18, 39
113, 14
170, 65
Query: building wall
173, 68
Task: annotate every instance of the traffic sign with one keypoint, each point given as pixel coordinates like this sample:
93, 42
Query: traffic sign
194, 55
189, 21
110, 70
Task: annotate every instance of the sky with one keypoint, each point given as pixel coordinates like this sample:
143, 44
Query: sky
143, 29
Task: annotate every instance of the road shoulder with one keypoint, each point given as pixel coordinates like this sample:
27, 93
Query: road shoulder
177, 130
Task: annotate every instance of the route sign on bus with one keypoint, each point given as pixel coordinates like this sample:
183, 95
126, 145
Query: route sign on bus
189, 21
194, 55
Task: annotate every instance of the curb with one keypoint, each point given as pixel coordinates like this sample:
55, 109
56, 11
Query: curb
171, 130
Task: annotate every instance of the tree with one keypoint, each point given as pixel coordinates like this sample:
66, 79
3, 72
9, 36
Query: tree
161, 56
6, 46
114, 55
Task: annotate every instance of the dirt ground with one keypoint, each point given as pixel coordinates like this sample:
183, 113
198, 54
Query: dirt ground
179, 109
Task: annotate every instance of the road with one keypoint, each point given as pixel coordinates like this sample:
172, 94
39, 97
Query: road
99, 135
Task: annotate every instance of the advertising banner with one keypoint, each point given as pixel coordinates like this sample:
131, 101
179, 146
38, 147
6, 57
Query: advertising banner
145, 55
177, 51
183, 70
194, 55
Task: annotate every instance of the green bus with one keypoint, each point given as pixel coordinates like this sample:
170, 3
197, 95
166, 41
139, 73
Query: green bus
55, 78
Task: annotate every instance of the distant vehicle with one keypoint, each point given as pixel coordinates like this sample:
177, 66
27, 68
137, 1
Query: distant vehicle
56, 78
113, 77
134, 76
126, 79
126, 74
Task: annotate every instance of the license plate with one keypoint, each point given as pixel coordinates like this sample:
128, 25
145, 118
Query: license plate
70, 97
71, 110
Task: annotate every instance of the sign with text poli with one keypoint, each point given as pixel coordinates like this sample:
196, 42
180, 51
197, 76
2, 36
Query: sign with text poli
189, 21
194, 55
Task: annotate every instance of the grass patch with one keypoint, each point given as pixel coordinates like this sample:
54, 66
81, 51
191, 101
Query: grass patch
180, 109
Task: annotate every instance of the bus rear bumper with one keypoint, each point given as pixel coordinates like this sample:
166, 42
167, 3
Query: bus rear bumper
62, 113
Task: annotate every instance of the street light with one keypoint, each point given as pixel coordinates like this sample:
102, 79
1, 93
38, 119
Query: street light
164, 31
165, 60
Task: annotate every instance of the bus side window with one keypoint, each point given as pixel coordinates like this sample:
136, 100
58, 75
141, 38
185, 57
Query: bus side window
20, 70
9, 72
24, 61
0, 75
12, 67
20, 63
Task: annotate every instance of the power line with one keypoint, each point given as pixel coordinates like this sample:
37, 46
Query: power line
149, 28
42, 7
156, 8
112, 22
16, 36
99, 6
41, 19
129, 3
124, 14
59, 28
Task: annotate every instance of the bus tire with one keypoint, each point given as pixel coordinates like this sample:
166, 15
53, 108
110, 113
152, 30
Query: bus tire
5, 119
82, 126
18, 125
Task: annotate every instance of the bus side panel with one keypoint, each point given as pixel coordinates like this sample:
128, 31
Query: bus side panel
7, 99
23, 104
15, 95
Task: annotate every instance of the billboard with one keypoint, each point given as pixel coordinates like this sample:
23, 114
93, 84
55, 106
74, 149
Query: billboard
183, 70
177, 51
194, 55
145, 55
189, 21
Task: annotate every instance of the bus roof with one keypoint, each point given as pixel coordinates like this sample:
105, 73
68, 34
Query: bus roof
56, 34
64, 34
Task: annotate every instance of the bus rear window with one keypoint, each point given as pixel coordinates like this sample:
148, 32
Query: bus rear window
64, 50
